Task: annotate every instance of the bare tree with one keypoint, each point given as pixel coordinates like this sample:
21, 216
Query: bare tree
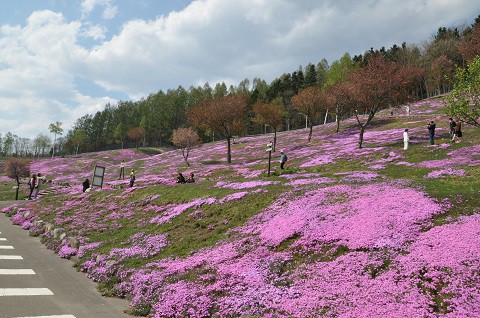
225, 115
136, 134
341, 98
270, 115
16, 168
311, 102
185, 139
379, 84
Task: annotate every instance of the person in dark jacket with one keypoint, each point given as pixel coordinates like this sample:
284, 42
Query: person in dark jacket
457, 134
86, 185
431, 132
283, 159
180, 178
32, 182
452, 127
191, 179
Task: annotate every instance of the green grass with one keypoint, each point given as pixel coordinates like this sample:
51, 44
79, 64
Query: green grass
151, 151
205, 226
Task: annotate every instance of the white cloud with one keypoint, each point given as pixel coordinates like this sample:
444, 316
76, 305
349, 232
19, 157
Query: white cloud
96, 32
110, 10
221, 39
209, 40
39, 62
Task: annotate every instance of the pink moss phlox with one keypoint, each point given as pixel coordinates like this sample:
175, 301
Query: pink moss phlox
376, 215
318, 181
233, 196
176, 210
141, 246
87, 248
66, 251
442, 173
359, 176
320, 160
243, 185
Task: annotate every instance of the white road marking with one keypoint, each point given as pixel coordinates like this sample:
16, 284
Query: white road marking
25, 292
2, 239
6, 247
17, 272
10, 257
57, 316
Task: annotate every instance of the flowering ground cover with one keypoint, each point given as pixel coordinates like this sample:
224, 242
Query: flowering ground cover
341, 232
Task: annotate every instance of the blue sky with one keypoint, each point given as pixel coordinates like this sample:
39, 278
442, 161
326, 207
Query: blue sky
62, 59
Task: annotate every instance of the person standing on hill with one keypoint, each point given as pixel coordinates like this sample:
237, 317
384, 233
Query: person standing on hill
32, 182
122, 171
283, 159
452, 127
431, 132
132, 178
405, 139
38, 184
458, 132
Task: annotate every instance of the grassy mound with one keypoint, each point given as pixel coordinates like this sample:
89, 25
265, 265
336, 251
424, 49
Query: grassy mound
342, 231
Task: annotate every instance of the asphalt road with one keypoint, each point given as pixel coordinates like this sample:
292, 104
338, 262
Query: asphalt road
34, 282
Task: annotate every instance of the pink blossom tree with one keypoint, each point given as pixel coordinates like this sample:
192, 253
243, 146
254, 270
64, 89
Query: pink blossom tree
185, 139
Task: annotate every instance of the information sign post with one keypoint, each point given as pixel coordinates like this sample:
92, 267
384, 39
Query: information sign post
98, 174
269, 150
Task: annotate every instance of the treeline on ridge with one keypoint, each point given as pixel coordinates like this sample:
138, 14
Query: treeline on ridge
307, 96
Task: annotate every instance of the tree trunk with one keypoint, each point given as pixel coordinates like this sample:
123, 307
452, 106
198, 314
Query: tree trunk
54, 141
274, 139
185, 154
311, 130
360, 136
338, 124
229, 151
18, 187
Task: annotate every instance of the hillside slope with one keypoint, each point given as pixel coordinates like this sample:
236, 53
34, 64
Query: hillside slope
341, 232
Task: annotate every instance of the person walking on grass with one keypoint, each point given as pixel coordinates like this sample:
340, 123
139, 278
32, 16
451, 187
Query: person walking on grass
132, 178
283, 159
431, 132
405, 139
458, 132
32, 182
452, 127
38, 184
122, 171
